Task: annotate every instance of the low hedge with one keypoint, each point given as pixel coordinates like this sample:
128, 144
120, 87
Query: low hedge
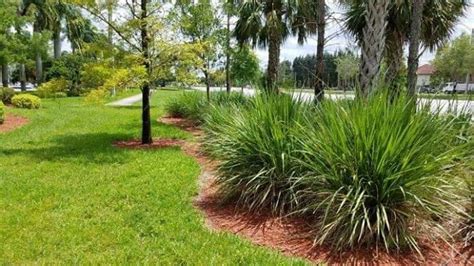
26, 101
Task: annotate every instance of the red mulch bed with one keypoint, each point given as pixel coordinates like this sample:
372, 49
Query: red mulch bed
292, 236
157, 144
12, 122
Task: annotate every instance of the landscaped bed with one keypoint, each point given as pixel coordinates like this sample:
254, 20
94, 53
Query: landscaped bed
68, 196
232, 204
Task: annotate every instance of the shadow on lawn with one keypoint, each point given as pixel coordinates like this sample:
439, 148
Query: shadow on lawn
87, 148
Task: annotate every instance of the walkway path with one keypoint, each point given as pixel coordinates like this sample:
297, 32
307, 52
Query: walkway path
129, 101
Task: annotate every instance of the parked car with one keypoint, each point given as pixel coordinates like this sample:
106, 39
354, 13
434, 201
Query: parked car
28, 86
454, 87
426, 89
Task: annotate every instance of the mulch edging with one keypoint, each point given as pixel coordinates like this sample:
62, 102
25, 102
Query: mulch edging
291, 236
157, 144
13, 122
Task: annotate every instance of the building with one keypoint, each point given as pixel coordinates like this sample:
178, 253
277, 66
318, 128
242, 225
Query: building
423, 75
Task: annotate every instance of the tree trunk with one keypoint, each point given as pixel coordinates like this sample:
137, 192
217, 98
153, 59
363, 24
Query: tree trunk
146, 120
273, 59
110, 31
5, 75
319, 83
372, 45
57, 41
413, 50
208, 85
227, 55
22, 77
39, 69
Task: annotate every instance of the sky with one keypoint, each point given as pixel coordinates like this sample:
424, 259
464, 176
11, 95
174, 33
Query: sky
339, 40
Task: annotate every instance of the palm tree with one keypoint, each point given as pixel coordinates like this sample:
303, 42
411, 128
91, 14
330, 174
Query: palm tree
415, 30
437, 23
268, 23
321, 27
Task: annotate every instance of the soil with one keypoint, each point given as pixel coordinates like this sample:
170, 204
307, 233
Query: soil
292, 236
157, 144
12, 122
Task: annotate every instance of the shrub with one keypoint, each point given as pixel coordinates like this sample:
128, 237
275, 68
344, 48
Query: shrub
6, 95
372, 173
27, 101
97, 96
2, 113
53, 88
194, 105
255, 148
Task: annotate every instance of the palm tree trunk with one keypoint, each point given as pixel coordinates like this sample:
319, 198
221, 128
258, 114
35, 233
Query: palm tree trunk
57, 42
5, 75
22, 77
146, 120
208, 85
372, 45
227, 55
394, 53
319, 83
413, 50
273, 59
39, 68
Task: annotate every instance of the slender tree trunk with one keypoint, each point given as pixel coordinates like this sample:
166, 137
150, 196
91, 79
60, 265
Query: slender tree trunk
227, 55
467, 83
110, 31
319, 83
22, 77
208, 85
372, 45
413, 50
39, 68
57, 41
5, 75
146, 120
273, 60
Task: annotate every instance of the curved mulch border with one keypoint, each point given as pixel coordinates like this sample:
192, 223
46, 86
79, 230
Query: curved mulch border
13, 122
292, 236
157, 144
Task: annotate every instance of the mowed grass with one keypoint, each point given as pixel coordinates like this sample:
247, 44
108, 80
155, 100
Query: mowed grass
68, 196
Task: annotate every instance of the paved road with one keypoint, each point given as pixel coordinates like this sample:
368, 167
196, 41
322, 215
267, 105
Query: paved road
441, 104
129, 101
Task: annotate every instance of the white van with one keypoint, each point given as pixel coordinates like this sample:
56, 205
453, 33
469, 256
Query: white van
460, 87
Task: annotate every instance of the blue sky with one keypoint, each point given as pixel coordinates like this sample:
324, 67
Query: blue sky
339, 40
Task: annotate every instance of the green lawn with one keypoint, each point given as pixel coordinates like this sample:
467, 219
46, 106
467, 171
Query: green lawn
69, 197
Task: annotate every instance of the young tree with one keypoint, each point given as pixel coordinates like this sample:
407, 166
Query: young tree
244, 68
455, 61
199, 24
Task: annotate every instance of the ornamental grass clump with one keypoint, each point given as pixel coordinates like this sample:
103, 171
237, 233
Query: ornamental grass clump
254, 146
195, 106
373, 173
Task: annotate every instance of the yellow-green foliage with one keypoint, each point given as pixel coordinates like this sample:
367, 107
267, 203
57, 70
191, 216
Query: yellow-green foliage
97, 96
2, 112
55, 88
95, 74
27, 101
125, 78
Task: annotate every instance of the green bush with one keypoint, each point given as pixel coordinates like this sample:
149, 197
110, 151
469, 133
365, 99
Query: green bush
255, 148
2, 113
27, 101
195, 106
373, 173
6, 95
53, 89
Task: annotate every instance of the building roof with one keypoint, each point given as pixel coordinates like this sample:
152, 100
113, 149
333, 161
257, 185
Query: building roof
425, 69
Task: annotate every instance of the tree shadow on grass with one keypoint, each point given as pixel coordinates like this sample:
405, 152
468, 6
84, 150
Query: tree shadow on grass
87, 148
